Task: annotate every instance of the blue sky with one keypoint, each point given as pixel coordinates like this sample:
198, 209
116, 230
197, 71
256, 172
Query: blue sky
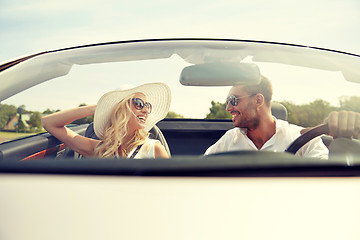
35, 25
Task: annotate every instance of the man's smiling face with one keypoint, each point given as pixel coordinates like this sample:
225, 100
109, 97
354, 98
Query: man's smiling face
244, 113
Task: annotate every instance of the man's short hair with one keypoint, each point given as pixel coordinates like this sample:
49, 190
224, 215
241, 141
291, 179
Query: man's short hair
264, 87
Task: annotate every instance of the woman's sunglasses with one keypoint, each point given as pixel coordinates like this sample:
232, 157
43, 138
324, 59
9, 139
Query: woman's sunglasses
233, 100
139, 104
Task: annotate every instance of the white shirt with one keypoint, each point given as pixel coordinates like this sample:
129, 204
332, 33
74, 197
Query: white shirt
147, 150
236, 140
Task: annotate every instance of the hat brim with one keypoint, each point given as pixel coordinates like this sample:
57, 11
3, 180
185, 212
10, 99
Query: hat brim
158, 94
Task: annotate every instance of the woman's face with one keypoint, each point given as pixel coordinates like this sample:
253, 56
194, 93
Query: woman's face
139, 117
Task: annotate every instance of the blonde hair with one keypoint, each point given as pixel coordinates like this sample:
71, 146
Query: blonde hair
116, 131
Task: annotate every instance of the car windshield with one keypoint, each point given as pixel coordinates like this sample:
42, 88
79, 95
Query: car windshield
309, 82
300, 75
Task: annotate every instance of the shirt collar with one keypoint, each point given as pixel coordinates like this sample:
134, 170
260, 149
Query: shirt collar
243, 131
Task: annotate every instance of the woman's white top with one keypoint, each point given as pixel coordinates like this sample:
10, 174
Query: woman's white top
146, 151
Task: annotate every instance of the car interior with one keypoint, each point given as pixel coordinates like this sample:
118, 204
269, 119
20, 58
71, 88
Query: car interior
178, 136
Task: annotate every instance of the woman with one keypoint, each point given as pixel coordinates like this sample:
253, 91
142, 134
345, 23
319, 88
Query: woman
122, 119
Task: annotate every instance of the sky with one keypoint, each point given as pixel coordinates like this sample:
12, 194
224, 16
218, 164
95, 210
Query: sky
32, 26
29, 26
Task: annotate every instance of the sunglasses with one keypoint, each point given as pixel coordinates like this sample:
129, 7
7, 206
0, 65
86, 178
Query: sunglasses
139, 104
233, 100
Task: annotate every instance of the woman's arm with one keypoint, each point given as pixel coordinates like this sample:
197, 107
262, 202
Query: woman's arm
55, 124
160, 151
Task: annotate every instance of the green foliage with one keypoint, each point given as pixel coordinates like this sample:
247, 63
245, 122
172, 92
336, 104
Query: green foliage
6, 113
173, 115
20, 127
35, 120
50, 111
218, 111
350, 103
21, 110
308, 115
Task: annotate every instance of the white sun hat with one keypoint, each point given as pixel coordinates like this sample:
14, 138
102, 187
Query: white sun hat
158, 94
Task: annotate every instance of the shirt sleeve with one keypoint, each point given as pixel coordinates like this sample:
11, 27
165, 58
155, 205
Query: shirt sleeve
315, 149
222, 144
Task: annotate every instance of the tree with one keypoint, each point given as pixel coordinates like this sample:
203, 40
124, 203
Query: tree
21, 110
174, 115
308, 115
6, 113
20, 126
351, 103
291, 109
35, 120
218, 111
50, 111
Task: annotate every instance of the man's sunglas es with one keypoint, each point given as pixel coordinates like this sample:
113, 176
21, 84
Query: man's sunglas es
233, 100
139, 104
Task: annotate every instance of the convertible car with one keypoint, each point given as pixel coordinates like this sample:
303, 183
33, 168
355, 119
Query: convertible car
48, 191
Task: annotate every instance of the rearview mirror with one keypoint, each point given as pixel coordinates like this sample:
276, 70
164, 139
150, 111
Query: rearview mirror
220, 74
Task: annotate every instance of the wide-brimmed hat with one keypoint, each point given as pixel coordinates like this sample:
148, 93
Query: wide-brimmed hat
158, 94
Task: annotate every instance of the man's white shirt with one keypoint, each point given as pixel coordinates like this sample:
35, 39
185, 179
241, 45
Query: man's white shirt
236, 140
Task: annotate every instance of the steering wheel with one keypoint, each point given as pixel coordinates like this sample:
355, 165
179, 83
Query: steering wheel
306, 137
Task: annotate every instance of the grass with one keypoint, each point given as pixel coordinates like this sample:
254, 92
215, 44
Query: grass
5, 136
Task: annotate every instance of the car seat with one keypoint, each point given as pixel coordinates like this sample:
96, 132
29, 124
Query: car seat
279, 111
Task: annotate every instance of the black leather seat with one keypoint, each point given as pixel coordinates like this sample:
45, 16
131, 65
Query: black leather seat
279, 111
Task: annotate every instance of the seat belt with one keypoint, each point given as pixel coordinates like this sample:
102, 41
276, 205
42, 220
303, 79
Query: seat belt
136, 151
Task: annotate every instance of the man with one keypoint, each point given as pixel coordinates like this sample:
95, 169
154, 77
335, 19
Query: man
256, 128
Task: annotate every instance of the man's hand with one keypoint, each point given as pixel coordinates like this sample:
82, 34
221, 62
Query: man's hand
344, 124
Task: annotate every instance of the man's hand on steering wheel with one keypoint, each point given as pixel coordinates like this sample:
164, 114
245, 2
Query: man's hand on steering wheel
344, 124
337, 124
